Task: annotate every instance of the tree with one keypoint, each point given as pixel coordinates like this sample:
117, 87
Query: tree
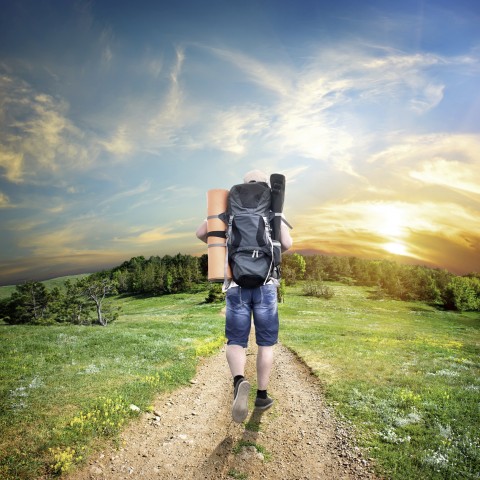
314, 267
300, 265
29, 303
97, 288
7, 311
293, 268
75, 307
121, 278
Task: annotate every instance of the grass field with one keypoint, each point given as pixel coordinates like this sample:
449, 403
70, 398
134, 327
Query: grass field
64, 388
404, 374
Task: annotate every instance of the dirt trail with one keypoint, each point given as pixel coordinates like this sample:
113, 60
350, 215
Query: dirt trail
193, 436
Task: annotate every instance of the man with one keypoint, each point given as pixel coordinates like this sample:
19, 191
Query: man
241, 304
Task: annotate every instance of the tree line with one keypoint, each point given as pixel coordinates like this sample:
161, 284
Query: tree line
88, 300
388, 278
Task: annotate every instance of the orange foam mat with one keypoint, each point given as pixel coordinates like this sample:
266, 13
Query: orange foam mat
216, 204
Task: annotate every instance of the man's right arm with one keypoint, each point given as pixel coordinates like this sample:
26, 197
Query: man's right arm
202, 231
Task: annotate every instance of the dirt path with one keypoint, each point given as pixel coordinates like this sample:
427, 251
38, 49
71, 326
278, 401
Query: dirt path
193, 436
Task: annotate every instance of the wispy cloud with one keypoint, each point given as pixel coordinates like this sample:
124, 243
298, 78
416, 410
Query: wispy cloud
4, 201
12, 164
69, 239
152, 236
106, 40
239, 126
451, 174
446, 160
138, 190
119, 145
170, 117
317, 109
274, 78
37, 138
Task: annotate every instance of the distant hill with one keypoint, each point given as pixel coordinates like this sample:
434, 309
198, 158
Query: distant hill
7, 290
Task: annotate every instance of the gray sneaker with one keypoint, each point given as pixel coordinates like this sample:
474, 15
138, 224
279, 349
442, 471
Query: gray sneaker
240, 401
263, 403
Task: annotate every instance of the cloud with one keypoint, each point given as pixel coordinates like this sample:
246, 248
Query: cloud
25, 224
153, 236
12, 164
447, 161
37, 140
166, 122
240, 125
106, 41
274, 78
4, 201
365, 227
68, 239
450, 174
139, 190
326, 108
120, 144
292, 173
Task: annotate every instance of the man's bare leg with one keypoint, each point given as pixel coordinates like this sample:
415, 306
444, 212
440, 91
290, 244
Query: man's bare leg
264, 368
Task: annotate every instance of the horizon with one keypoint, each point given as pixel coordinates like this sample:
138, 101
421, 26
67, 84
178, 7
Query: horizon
117, 118
108, 267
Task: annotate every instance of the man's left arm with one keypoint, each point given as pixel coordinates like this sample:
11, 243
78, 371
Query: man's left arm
285, 237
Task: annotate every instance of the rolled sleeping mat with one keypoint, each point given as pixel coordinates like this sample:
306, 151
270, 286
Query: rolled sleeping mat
218, 267
277, 184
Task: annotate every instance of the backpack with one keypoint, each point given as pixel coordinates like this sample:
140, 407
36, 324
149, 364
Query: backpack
254, 257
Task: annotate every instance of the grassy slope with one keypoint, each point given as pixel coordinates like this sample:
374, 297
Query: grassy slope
405, 374
51, 376
7, 290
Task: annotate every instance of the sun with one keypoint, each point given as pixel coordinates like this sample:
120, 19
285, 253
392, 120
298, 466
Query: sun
396, 248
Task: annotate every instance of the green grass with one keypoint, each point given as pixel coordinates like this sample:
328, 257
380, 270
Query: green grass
405, 374
6, 291
236, 474
64, 388
246, 443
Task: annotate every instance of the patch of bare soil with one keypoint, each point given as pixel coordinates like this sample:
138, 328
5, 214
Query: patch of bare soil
192, 435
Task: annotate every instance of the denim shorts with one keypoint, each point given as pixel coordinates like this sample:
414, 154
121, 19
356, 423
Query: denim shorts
241, 303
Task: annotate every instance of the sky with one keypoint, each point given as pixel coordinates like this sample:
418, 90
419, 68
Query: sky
116, 118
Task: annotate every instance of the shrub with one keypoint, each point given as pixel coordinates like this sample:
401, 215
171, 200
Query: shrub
318, 289
462, 293
215, 294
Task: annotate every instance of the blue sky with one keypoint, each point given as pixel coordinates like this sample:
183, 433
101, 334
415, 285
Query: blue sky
117, 117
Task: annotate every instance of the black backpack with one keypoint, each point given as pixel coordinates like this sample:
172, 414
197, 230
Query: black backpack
254, 257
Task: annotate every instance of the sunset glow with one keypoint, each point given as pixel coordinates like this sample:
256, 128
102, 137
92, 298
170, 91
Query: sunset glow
396, 248
117, 117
